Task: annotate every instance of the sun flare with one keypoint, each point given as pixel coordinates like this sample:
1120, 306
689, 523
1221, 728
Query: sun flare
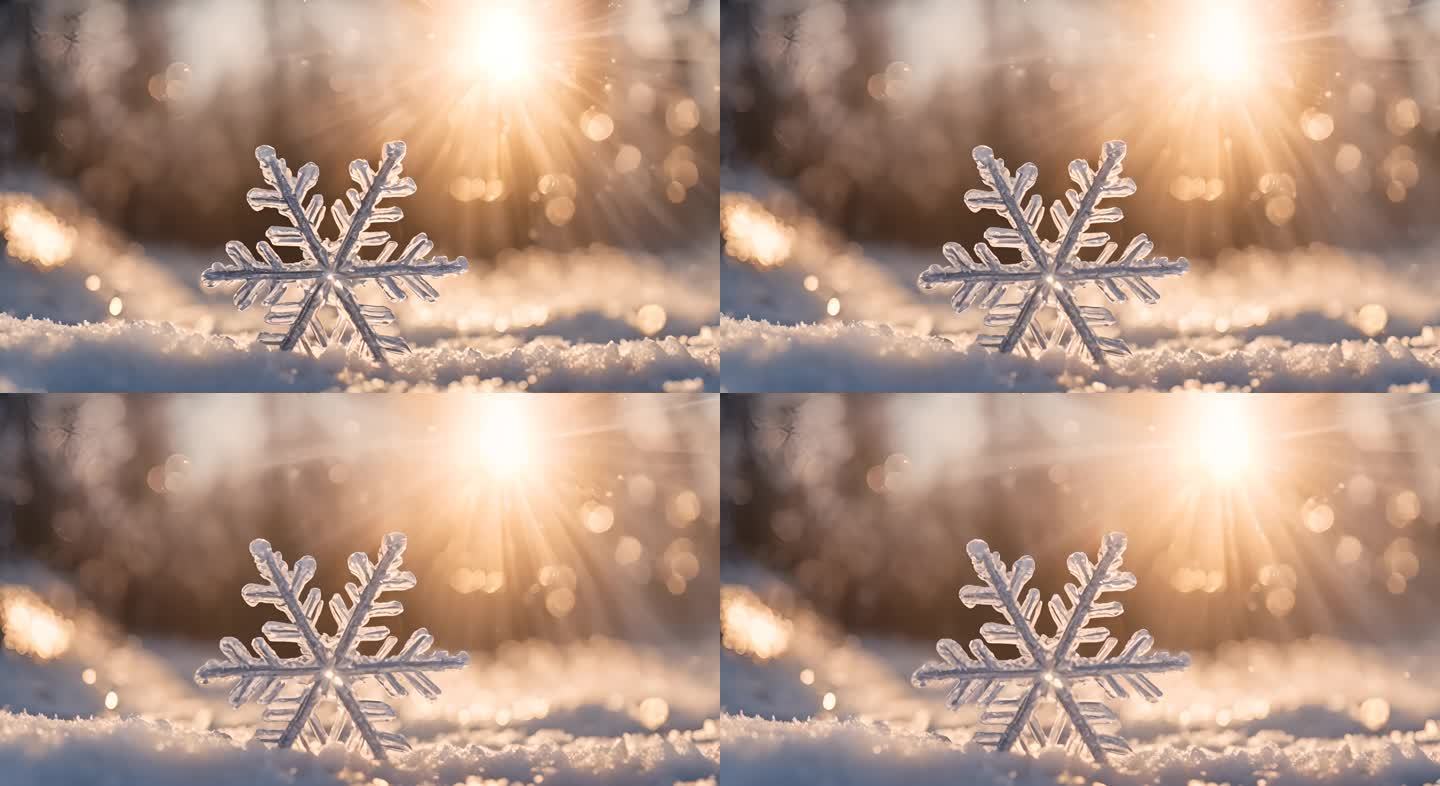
499, 439
499, 44
1220, 439
1217, 46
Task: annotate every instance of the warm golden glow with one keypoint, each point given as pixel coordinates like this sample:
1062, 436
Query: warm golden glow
1219, 439
497, 438
752, 234
499, 44
1218, 45
33, 628
749, 627
34, 234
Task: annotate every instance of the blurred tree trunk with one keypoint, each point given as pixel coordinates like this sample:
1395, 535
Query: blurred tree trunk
34, 108
26, 496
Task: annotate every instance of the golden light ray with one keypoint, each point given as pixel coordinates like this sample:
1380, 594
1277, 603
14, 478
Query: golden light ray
563, 515
540, 115
1303, 508
543, 509
1240, 107
1238, 497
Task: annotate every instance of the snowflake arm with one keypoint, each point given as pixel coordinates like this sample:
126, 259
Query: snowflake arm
330, 665
353, 618
330, 272
363, 606
1130, 667
1048, 666
981, 681
1049, 273
355, 222
1002, 590
259, 678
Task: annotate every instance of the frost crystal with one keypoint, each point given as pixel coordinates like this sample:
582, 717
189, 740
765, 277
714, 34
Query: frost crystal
331, 270
1050, 272
1048, 665
328, 665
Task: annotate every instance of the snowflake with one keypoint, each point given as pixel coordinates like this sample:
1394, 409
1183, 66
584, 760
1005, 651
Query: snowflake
328, 665
1050, 273
1048, 665
331, 270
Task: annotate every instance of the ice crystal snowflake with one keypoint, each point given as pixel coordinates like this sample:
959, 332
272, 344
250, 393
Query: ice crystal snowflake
328, 665
330, 271
1050, 272
1048, 665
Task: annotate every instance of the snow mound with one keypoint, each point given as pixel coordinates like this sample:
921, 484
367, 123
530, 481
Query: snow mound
42, 356
40, 750
852, 752
864, 356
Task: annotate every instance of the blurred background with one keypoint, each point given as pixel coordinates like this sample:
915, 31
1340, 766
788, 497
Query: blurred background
559, 122
1276, 124
557, 518
1270, 517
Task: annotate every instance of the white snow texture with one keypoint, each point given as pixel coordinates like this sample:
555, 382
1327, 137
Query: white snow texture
1050, 273
1048, 666
329, 666
330, 271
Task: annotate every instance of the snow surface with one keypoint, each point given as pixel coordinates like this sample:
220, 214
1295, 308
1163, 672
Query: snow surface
594, 319
1314, 711
1315, 319
596, 712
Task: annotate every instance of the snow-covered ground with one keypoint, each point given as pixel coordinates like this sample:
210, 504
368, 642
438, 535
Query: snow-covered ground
83, 309
82, 704
836, 709
804, 309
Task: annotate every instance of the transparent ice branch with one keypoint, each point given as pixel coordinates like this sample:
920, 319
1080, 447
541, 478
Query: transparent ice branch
1049, 274
1048, 666
329, 273
329, 667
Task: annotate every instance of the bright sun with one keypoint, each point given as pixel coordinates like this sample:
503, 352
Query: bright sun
1218, 45
499, 438
1220, 438
499, 43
